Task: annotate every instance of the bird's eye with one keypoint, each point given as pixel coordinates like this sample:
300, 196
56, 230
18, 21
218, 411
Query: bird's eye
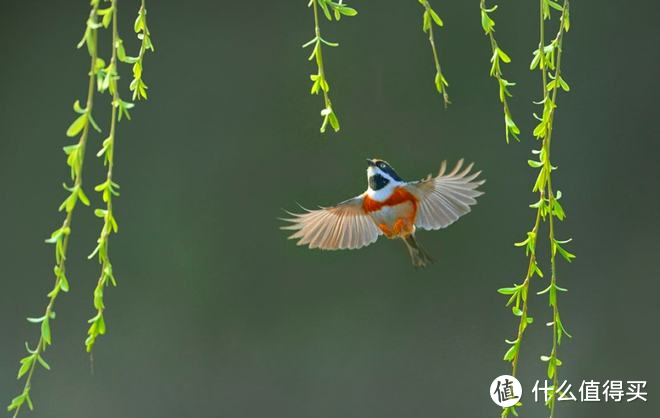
381, 165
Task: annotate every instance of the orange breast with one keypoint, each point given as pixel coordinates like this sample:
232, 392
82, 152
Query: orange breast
394, 216
400, 195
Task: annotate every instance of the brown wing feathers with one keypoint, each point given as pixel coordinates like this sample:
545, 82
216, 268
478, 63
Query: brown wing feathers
445, 198
344, 226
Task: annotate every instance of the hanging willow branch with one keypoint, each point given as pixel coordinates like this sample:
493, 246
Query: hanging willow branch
549, 62
60, 237
138, 86
428, 18
547, 58
319, 80
105, 78
498, 56
109, 188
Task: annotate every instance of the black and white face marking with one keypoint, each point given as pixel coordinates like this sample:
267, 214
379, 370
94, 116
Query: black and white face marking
385, 168
382, 179
377, 182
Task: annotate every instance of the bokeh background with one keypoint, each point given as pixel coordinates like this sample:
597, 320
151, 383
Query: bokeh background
218, 315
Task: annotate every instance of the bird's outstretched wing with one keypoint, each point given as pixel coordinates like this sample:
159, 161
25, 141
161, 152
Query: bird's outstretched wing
445, 198
344, 226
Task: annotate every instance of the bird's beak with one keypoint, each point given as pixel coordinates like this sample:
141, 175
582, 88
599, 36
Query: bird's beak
370, 162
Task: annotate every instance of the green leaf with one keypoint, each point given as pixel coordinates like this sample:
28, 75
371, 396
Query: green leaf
124, 108
540, 130
36, 320
508, 290
334, 122
107, 16
331, 44
98, 298
43, 362
555, 5
324, 7
426, 21
26, 364
64, 283
29, 401
121, 54
45, 331
511, 127
77, 108
537, 270
565, 254
511, 353
347, 11
487, 23
503, 56
536, 60
546, 290
16, 402
438, 82
139, 24
552, 369
436, 18
510, 123
310, 42
563, 330
83, 197
491, 10
101, 325
77, 125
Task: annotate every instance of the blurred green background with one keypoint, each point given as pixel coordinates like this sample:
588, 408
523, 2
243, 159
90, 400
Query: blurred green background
217, 314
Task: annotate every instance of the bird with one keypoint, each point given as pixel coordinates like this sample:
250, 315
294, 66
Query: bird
391, 207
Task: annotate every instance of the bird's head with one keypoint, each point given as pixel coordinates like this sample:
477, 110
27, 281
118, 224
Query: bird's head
380, 174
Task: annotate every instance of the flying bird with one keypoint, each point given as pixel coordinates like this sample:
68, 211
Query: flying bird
392, 207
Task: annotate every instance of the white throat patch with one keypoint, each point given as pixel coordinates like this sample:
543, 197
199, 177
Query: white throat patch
384, 193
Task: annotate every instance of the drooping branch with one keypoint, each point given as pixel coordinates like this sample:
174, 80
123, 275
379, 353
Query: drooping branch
550, 65
104, 78
547, 58
319, 80
60, 237
498, 56
109, 188
429, 17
